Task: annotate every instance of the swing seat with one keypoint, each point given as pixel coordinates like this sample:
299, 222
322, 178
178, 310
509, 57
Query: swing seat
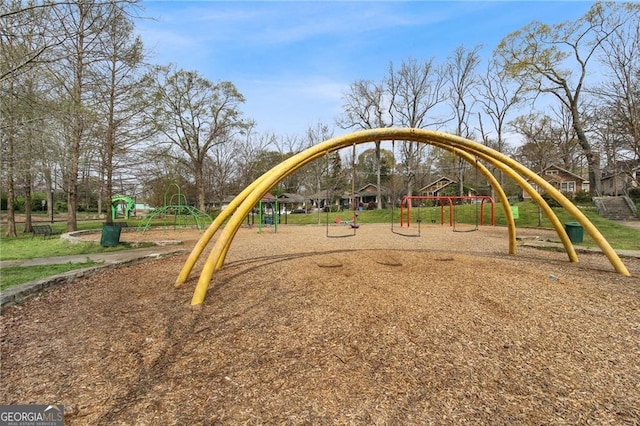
354, 226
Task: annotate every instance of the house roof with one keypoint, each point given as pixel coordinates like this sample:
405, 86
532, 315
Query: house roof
448, 181
268, 197
565, 171
290, 197
370, 188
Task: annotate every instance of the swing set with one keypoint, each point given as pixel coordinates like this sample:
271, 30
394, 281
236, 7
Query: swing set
451, 201
353, 223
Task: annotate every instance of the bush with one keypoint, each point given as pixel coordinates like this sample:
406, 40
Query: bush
550, 200
582, 197
634, 194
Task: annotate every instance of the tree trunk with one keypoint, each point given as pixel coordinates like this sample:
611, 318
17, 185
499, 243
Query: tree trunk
199, 175
49, 185
595, 181
27, 204
378, 177
72, 188
11, 213
593, 160
109, 164
100, 196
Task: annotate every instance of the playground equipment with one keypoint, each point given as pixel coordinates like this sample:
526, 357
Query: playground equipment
478, 200
183, 215
129, 204
353, 223
271, 219
471, 151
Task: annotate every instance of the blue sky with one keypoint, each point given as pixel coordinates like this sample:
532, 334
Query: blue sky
293, 61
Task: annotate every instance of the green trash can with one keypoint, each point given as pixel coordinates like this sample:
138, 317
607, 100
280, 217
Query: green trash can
574, 231
110, 235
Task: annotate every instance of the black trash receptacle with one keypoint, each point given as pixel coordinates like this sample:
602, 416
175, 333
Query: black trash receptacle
574, 231
110, 235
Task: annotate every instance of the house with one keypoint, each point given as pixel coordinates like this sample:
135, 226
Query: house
436, 187
562, 180
625, 176
367, 196
290, 201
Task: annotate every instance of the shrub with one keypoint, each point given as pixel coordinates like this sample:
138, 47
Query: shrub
550, 200
582, 197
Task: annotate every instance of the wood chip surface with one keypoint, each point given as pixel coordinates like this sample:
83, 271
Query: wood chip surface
298, 328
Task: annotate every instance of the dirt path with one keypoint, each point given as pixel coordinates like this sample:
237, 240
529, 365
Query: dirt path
298, 328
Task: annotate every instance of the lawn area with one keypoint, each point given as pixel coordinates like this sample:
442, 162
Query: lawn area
14, 275
26, 247
32, 248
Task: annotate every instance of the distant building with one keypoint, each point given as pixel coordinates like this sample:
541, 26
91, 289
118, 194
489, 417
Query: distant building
367, 196
624, 177
562, 180
435, 188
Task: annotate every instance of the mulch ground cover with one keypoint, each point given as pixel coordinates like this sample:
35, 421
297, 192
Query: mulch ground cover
298, 328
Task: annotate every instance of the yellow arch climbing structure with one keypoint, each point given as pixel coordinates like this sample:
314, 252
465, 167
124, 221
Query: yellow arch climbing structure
240, 207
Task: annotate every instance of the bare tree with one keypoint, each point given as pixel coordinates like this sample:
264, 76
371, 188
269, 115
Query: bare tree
462, 80
80, 27
19, 111
8, 159
367, 106
16, 17
415, 90
497, 98
620, 93
556, 60
317, 172
247, 146
121, 99
194, 115
548, 139
538, 149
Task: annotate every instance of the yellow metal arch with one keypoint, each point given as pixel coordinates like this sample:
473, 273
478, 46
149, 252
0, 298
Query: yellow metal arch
535, 196
244, 202
504, 201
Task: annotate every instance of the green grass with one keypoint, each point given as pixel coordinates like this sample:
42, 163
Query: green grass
31, 248
14, 275
619, 236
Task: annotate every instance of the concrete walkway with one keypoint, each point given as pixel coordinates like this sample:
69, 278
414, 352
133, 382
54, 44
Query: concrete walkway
631, 223
116, 257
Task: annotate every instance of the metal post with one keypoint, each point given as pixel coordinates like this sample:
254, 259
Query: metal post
52, 205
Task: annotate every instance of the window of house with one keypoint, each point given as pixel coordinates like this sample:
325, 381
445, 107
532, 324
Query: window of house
551, 172
568, 187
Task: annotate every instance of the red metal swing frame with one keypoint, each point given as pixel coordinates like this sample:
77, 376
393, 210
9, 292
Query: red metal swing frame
405, 205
